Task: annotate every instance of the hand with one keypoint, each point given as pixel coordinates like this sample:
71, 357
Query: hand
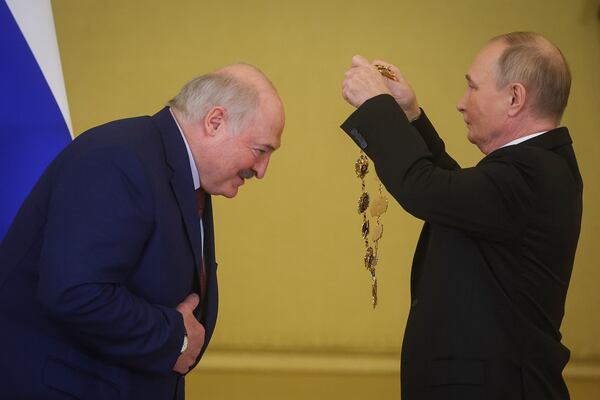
195, 333
362, 81
402, 92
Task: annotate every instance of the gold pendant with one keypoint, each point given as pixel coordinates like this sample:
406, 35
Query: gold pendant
379, 207
365, 229
363, 202
370, 259
361, 166
374, 291
376, 233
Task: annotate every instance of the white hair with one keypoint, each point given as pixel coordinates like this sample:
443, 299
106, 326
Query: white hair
239, 99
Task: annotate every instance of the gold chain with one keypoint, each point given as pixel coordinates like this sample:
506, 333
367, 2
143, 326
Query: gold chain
378, 207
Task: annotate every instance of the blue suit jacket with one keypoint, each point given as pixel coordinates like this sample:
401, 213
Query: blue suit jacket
101, 252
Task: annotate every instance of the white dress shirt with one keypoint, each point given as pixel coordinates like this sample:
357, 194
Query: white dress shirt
523, 138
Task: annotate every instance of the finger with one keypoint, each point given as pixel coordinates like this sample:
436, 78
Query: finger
181, 366
189, 304
360, 61
347, 75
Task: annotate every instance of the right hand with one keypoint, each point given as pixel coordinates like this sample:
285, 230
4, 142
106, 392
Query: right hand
402, 92
362, 82
195, 333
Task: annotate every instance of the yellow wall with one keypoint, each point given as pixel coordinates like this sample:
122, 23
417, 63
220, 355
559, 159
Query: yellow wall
295, 317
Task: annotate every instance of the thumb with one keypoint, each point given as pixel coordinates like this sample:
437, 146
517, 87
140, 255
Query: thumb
359, 61
189, 304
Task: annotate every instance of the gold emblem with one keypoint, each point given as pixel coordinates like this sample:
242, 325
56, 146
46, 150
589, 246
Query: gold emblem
379, 207
363, 202
365, 229
376, 233
386, 71
370, 259
361, 166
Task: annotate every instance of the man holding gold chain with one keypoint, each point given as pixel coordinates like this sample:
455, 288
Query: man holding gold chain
493, 262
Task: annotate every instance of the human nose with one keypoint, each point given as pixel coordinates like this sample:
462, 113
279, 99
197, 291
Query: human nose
260, 168
460, 106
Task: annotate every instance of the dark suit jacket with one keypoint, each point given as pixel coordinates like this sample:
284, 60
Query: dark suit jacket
493, 263
101, 252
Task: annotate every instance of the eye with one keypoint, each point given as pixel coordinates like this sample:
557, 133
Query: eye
259, 151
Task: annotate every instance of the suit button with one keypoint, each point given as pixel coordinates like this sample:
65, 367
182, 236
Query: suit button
414, 303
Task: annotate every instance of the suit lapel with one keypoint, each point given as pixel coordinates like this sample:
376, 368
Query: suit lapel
181, 179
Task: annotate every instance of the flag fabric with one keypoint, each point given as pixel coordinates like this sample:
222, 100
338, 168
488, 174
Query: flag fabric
34, 115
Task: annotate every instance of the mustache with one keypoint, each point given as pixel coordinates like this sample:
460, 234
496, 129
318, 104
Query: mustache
247, 174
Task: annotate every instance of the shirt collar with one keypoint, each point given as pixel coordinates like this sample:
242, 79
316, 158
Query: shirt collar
195, 173
523, 138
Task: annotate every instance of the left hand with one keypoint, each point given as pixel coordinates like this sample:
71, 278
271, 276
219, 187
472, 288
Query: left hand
195, 334
402, 92
362, 81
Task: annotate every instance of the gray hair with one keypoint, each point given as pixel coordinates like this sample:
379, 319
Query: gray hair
239, 99
539, 65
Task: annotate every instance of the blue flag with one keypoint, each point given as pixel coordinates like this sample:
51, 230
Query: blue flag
34, 118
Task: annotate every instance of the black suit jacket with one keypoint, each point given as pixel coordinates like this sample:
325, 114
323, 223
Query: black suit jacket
493, 262
100, 254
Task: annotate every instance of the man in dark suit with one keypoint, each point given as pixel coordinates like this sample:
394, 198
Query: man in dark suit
493, 263
108, 285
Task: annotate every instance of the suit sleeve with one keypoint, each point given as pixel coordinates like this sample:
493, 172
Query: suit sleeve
434, 143
488, 200
100, 217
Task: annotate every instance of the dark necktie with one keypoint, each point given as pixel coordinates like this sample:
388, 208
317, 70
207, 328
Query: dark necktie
200, 202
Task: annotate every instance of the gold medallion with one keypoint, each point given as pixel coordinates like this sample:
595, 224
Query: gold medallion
365, 229
379, 207
376, 233
361, 166
363, 202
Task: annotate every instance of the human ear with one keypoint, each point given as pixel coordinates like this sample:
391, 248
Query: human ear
214, 120
518, 97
